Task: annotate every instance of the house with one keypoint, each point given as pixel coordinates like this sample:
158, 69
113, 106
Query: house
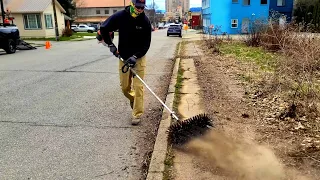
35, 18
93, 12
283, 8
194, 17
232, 16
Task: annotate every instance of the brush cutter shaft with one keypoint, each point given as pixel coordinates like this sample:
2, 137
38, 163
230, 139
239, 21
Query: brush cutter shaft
171, 112
135, 74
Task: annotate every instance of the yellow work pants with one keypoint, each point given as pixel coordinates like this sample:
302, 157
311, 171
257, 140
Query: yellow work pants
132, 87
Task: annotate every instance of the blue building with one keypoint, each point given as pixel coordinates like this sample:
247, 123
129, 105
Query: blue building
283, 7
235, 16
232, 16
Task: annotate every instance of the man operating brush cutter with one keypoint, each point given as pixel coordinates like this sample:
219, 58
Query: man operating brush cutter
134, 42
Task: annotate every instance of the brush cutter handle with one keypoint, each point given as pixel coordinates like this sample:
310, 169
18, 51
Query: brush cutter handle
173, 115
135, 74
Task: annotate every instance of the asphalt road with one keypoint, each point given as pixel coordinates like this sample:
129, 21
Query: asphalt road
63, 116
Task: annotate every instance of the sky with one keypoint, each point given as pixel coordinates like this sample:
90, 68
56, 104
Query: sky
161, 3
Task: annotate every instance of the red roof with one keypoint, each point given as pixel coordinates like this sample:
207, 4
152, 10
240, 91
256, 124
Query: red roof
101, 3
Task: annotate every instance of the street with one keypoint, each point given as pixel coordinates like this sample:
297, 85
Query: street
63, 115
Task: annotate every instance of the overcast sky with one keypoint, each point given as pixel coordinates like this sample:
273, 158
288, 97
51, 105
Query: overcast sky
161, 3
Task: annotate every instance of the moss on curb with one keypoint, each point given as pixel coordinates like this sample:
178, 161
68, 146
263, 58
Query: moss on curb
178, 85
168, 163
168, 172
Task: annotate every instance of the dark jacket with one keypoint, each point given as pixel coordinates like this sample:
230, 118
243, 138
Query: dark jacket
134, 33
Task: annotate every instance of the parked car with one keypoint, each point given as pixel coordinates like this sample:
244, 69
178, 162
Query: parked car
174, 29
9, 38
96, 27
73, 26
84, 28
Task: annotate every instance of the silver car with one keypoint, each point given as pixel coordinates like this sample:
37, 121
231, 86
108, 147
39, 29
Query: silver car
84, 28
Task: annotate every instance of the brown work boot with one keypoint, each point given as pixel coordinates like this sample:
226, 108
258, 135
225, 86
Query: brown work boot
135, 121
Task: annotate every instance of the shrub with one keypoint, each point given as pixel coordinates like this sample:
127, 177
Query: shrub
255, 32
67, 32
297, 69
214, 42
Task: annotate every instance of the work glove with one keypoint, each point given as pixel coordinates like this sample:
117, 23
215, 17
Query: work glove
99, 37
131, 62
113, 50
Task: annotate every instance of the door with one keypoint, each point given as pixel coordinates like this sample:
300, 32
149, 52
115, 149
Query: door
195, 20
245, 25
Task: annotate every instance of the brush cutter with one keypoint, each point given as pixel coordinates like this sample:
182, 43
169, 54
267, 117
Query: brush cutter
181, 131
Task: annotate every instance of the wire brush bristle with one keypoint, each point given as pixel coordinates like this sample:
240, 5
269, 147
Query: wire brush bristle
181, 132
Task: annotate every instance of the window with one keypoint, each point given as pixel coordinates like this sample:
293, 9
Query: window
106, 11
205, 3
97, 11
264, 1
234, 23
246, 2
48, 21
235, 1
281, 2
32, 21
114, 11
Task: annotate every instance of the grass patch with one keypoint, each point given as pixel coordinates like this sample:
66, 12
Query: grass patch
168, 163
176, 51
178, 86
265, 60
244, 77
63, 38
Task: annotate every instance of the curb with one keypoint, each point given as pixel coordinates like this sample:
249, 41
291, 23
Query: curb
157, 166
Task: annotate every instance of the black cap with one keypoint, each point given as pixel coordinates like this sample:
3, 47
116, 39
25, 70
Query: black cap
139, 2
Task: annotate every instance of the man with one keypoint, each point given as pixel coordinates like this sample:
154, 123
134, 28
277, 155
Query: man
134, 42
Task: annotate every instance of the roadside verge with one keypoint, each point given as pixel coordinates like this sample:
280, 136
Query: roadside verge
157, 164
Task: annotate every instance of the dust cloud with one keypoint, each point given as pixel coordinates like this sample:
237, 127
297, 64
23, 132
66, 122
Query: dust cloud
239, 158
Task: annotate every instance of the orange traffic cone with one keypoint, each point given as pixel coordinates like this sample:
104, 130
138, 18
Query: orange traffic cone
48, 45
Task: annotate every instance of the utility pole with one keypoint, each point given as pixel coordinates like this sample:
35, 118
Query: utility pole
154, 15
55, 19
2, 11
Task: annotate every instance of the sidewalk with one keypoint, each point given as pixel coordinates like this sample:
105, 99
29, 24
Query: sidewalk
187, 166
194, 35
182, 166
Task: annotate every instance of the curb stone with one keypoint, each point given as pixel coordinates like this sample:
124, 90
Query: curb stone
157, 167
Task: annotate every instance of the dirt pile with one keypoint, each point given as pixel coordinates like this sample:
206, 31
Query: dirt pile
239, 158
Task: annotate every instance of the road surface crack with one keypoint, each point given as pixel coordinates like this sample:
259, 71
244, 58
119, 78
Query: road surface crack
65, 125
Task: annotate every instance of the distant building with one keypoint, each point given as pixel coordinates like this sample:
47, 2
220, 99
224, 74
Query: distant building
97, 11
194, 17
178, 7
